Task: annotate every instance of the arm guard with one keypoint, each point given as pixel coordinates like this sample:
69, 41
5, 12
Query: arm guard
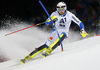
81, 26
54, 18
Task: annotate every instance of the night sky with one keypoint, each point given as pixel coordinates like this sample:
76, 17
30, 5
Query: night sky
25, 9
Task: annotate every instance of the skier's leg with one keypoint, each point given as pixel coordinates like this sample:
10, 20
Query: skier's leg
34, 53
54, 45
37, 51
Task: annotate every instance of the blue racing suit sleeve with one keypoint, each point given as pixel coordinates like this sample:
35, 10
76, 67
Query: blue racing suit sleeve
81, 26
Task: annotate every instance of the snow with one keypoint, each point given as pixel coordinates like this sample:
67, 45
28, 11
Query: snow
78, 55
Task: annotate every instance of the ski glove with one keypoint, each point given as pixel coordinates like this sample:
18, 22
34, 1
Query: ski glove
83, 33
55, 19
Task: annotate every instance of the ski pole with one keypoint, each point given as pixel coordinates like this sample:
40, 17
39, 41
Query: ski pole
52, 23
24, 29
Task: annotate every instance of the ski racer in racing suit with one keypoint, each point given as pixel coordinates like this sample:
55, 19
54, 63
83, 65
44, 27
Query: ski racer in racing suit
62, 19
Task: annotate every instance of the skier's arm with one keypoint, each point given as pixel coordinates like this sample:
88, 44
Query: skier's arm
77, 21
48, 21
81, 25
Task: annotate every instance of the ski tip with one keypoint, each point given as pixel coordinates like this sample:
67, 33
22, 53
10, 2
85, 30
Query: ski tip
22, 61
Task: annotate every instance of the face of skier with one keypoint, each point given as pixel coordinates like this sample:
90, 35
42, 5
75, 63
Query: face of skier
61, 12
61, 8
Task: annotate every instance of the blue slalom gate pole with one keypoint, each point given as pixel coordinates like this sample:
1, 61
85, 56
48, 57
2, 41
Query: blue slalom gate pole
53, 23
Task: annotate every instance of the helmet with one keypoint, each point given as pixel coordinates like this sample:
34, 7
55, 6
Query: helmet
61, 6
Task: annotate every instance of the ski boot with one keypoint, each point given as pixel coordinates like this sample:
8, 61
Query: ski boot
48, 51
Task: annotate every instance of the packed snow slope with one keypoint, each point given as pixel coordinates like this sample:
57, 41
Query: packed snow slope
82, 54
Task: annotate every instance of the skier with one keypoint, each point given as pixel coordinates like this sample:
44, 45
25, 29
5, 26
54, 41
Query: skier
62, 19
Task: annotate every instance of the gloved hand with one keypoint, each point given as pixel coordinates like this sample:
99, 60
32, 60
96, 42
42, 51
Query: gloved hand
83, 33
54, 20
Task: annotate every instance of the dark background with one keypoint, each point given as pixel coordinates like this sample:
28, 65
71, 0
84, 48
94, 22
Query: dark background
88, 11
23, 9
26, 9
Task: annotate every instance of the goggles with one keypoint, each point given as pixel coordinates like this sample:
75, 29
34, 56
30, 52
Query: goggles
61, 8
